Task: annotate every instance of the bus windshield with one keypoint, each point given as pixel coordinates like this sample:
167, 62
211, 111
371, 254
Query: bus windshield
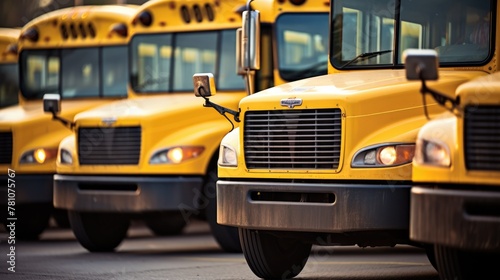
9, 89
302, 45
75, 73
374, 33
166, 62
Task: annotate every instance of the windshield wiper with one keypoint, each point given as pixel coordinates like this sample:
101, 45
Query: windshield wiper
364, 56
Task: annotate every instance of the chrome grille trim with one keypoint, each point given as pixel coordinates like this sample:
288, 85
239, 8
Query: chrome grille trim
481, 137
109, 145
293, 139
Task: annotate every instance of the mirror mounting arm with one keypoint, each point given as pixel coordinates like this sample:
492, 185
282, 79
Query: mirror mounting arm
222, 110
440, 98
65, 122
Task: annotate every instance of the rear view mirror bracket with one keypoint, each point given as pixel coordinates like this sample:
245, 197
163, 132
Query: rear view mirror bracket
204, 86
52, 104
423, 65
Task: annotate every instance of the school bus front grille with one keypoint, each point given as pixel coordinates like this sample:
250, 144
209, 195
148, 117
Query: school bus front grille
481, 137
109, 145
6, 147
292, 139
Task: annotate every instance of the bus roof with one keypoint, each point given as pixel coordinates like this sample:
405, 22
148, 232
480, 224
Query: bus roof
79, 26
187, 15
271, 9
8, 44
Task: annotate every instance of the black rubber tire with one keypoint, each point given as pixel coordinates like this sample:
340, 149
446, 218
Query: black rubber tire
32, 220
61, 218
99, 232
166, 224
454, 264
271, 257
226, 236
431, 255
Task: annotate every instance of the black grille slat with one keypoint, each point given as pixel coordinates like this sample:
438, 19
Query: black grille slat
109, 145
6, 143
481, 137
293, 139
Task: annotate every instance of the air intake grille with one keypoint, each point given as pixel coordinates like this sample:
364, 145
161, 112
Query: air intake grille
109, 145
6, 147
293, 139
482, 136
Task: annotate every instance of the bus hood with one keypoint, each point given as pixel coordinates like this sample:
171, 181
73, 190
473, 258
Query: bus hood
361, 93
154, 110
32, 111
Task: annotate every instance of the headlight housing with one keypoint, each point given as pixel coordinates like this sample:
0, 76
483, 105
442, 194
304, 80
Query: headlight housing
65, 157
432, 152
227, 156
40, 155
384, 155
176, 155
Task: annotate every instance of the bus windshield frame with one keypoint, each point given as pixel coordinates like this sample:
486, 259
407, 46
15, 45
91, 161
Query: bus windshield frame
165, 62
374, 34
302, 43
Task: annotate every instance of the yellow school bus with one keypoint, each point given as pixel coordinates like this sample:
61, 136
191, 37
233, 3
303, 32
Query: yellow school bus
9, 81
455, 199
328, 160
153, 157
70, 52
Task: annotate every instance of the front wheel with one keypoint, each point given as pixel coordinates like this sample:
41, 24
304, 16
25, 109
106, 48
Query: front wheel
99, 232
272, 257
32, 220
462, 265
166, 224
226, 237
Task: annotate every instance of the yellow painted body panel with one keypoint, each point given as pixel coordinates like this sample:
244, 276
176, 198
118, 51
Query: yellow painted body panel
30, 126
177, 119
449, 129
368, 118
378, 106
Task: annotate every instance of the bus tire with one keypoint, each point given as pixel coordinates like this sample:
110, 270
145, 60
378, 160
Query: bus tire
165, 224
61, 218
272, 257
226, 236
32, 220
458, 264
99, 232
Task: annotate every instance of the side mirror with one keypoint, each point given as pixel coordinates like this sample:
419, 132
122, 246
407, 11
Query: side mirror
51, 103
421, 64
204, 84
250, 40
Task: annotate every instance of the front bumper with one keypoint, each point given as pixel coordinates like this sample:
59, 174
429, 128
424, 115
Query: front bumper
463, 219
341, 208
127, 194
28, 189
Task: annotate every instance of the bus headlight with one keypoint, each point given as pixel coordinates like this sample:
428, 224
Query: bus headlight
176, 154
384, 155
66, 157
40, 155
431, 152
227, 156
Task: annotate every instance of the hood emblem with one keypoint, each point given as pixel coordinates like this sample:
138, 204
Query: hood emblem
109, 121
291, 102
